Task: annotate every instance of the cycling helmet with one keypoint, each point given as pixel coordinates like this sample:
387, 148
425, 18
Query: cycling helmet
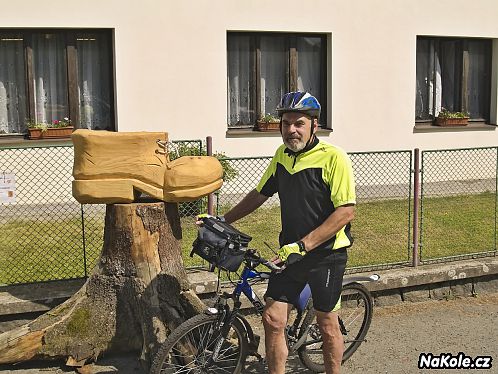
302, 102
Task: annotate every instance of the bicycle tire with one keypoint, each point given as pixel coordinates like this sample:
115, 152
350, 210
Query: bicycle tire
196, 334
354, 297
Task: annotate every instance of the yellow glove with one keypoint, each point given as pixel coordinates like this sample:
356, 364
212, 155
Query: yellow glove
291, 253
205, 215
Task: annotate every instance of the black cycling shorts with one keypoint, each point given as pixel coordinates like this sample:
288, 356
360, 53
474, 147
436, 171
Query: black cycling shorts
323, 269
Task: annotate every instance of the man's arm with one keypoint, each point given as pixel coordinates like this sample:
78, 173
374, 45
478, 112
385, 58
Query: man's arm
249, 204
335, 222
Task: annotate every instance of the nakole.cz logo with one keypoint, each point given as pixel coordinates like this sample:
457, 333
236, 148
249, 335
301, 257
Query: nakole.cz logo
448, 361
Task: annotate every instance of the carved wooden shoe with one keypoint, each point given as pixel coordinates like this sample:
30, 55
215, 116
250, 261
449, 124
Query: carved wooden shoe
111, 167
189, 177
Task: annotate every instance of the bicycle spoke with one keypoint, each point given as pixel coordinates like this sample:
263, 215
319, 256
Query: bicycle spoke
193, 353
354, 320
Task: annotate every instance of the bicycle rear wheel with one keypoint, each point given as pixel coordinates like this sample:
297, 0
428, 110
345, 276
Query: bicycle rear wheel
190, 348
355, 316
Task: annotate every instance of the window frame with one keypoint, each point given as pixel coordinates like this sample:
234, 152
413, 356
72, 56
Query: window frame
463, 75
292, 56
71, 58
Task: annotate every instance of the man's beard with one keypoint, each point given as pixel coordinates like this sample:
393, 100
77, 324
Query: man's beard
294, 144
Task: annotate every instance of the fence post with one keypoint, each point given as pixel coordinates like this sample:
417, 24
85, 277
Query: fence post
416, 207
209, 150
84, 239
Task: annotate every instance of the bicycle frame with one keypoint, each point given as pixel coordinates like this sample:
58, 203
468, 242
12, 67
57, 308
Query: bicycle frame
244, 287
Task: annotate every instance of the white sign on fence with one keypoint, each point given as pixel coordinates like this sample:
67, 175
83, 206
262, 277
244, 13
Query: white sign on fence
7, 188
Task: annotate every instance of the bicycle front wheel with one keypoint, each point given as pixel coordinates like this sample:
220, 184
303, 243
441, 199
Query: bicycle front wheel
197, 346
355, 316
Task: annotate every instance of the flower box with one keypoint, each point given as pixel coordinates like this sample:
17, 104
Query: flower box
268, 126
50, 133
440, 121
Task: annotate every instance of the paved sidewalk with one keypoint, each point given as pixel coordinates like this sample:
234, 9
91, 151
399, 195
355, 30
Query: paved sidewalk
396, 338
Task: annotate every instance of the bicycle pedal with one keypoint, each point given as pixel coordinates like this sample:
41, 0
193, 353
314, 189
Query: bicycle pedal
258, 356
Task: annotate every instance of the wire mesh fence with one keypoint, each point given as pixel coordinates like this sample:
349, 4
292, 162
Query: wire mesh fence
382, 224
46, 235
458, 216
40, 224
381, 227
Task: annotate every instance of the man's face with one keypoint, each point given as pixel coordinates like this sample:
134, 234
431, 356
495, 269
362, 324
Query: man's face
296, 130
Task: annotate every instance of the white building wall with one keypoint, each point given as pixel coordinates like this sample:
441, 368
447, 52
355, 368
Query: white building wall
171, 71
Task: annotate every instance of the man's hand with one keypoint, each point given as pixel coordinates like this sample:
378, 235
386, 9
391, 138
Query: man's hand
291, 253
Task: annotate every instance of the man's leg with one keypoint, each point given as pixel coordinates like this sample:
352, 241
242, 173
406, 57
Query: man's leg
274, 322
333, 342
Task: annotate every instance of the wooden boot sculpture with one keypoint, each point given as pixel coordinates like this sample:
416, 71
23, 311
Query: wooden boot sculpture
113, 167
139, 291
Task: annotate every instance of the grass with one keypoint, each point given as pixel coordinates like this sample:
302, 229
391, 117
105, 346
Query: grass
45, 250
458, 225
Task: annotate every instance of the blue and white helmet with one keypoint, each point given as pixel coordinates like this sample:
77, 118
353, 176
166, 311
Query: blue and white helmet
302, 102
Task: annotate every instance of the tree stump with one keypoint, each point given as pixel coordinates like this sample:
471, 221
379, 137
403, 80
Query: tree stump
136, 295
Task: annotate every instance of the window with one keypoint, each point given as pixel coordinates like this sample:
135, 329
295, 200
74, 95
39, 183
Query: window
46, 75
264, 66
453, 73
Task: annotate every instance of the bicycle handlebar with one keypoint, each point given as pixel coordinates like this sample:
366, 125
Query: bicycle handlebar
253, 255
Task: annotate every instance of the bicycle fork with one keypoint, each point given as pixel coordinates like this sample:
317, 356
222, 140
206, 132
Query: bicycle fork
224, 321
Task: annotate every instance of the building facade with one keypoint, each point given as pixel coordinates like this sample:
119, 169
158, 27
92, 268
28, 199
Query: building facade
383, 70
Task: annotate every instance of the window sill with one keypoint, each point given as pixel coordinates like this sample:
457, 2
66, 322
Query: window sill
472, 126
248, 133
19, 141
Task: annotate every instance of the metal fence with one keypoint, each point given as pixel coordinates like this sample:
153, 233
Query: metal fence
458, 216
41, 231
45, 235
382, 224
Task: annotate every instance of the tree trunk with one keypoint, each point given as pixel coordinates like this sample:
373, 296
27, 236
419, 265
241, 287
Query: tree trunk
137, 294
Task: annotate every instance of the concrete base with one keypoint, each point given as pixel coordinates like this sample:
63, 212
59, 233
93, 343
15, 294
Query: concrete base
436, 281
36, 297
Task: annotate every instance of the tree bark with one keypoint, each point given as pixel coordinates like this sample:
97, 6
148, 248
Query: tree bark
137, 294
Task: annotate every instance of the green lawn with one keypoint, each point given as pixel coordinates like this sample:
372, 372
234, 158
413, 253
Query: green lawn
44, 250
47, 250
458, 225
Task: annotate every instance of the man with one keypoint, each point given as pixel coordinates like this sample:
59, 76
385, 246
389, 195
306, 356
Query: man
315, 184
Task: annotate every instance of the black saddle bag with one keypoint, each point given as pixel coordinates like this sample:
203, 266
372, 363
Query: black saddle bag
220, 244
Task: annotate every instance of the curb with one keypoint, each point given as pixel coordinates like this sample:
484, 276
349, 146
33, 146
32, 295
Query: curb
434, 281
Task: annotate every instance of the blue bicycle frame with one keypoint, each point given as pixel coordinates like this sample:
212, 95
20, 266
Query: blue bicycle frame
244, 287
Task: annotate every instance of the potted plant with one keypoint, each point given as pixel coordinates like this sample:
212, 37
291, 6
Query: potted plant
55, 130
448, 118
268, 123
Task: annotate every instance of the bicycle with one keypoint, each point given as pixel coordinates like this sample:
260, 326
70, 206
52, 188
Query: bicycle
220, 339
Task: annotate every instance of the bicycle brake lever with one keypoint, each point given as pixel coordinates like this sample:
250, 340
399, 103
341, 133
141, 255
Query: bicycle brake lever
271, 249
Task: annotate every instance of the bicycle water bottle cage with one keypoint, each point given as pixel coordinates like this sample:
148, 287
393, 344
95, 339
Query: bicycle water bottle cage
220, 244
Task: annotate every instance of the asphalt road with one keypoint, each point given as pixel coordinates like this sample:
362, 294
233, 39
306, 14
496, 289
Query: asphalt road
398, 335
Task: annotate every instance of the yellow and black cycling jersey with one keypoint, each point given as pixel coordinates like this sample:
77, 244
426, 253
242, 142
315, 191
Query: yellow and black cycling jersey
310, 185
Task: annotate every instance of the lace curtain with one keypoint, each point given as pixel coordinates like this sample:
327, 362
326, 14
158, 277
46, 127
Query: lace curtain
93, 81
440, 66
308, 67
274, 73
12, 85
239, 105
50, 77
50, 80
274, 67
